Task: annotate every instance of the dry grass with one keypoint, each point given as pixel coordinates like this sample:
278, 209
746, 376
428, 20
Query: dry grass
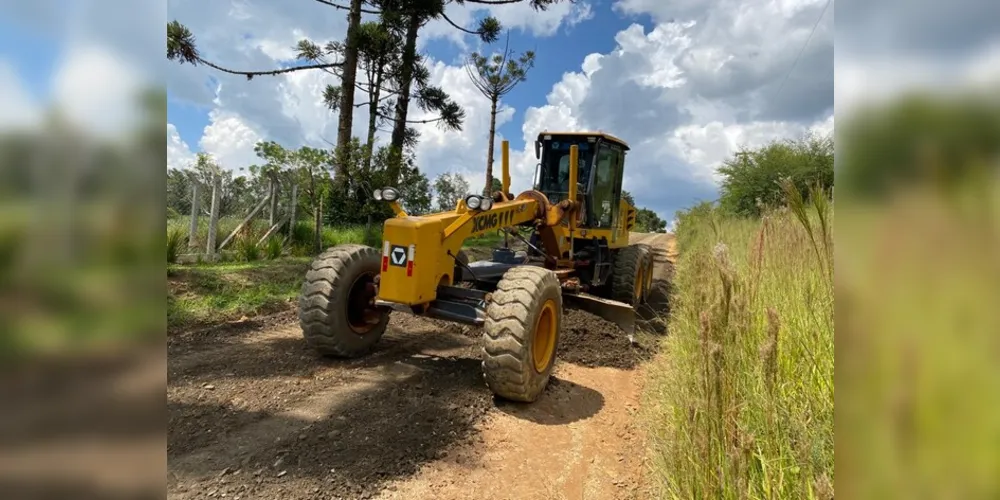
741, 399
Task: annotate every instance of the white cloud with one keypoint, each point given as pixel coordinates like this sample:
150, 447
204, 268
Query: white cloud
519, 16
18, 109
97, 90
179, 155
230, 140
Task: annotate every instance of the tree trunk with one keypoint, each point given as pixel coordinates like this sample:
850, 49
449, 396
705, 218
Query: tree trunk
403, 102
489, 147
348, 79
373, 97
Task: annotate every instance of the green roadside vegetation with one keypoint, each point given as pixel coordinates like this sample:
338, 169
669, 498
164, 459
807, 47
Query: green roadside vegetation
740, 400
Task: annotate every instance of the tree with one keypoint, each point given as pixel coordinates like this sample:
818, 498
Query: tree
750, 177
312, 170
450, 188
307, 167
380, 58
627, 196
179, 191
415, 189
497, 186
416, 14
495, 77
647, 221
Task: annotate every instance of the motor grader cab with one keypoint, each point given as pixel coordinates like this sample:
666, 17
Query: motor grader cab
574, 227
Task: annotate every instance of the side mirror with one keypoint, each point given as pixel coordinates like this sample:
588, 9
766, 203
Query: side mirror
538, 150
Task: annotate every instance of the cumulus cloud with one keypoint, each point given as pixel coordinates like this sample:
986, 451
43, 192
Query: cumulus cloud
518, 16
230, 139
179, 155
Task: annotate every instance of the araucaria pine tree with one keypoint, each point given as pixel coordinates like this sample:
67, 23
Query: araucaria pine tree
495, 77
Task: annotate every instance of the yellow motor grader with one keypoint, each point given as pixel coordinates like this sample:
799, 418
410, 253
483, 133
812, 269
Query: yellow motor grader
574, 226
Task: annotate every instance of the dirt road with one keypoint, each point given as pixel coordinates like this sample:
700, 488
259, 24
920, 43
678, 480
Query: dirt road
255, 413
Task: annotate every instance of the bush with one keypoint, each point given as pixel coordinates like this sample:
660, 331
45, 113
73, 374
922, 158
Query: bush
175, 240
752, 179
273, 247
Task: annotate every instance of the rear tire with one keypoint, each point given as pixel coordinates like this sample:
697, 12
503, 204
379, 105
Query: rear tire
335, 311
521, 334
627, 276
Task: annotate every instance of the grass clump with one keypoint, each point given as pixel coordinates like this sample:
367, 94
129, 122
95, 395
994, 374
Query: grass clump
273, 247
741, 401
175, 240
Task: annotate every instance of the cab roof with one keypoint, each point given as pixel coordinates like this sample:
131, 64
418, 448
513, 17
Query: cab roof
602, 135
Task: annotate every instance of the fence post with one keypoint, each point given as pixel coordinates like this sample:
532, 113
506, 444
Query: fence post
214, 217
291, 217
193, 236
273, 209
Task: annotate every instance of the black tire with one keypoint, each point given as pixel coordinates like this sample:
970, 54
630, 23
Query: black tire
626, 273
329, 323
509, 335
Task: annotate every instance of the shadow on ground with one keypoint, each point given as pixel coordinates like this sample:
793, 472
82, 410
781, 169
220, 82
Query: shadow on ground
408, 413
563, 402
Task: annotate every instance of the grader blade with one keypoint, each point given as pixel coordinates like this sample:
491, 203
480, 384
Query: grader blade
616, 312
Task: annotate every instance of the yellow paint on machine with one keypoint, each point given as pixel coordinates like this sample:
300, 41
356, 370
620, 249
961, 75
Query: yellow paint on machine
435, 239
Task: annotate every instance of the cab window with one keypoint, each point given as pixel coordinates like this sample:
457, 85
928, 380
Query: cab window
607, 166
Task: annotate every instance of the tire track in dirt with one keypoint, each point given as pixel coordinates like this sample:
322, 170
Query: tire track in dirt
257, 414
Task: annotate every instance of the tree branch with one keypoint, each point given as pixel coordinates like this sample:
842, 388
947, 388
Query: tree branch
251, 74
342, 7
446, 18
494, 2
431, 120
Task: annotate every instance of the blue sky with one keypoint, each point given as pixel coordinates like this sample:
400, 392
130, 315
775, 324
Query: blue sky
555, 55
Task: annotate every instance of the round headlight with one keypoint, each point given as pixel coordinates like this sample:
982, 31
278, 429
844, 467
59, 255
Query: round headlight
377, 194
486, 204
390, 194
473, 202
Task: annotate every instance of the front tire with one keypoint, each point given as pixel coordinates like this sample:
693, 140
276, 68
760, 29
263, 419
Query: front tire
521, 333
336, 306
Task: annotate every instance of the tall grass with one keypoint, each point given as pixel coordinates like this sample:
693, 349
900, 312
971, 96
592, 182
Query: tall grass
273, 247
175, 239
741, 399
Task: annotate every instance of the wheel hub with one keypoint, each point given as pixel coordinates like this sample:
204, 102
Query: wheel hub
544, 342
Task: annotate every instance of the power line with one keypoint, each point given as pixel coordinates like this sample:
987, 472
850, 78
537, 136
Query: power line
803, 49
